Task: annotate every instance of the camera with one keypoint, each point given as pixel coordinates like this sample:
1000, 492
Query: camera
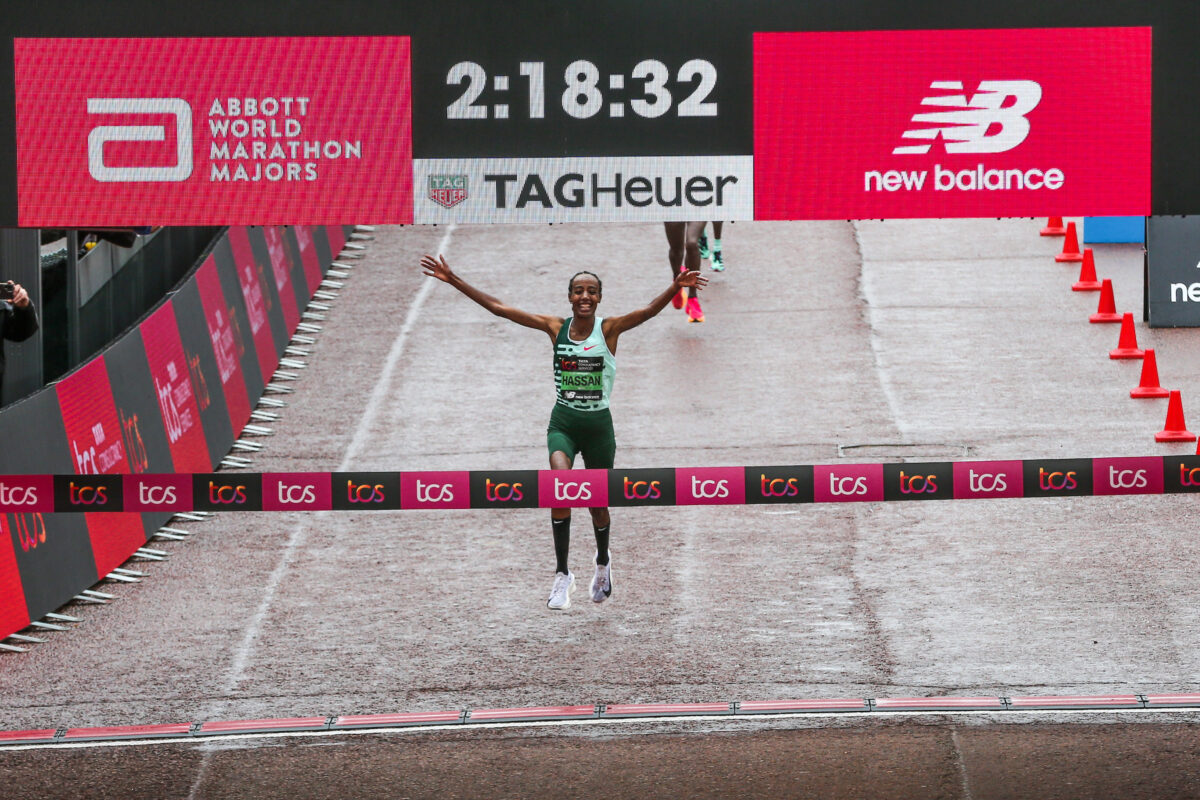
7, 290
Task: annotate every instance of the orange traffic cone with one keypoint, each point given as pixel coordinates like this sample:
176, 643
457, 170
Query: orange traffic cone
1107, 311
1054, 227
1176, 429
1148, 385
1070, 250
1127, 344
1087, 274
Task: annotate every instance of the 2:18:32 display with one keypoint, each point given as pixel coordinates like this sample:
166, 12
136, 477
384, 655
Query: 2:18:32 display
586, 91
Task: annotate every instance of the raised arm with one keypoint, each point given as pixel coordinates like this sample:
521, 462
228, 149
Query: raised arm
439, 268
615, 326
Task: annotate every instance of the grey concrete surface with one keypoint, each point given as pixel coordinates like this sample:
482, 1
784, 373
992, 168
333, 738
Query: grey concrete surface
824, 342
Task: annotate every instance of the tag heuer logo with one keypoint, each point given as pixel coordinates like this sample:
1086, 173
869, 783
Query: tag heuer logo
447, 190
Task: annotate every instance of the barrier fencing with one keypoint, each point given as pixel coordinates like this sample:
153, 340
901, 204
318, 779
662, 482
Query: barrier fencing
172, 395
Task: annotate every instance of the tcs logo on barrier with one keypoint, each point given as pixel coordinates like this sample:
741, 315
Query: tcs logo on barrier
641, 487
1184, 474
506, 489
88, 493
1129, 475
216, 492
101, 135
435, 490
158, 493
1058, 477
984, 479
779, 484
710, 486
26, 493
641, 490
848, 483
365, 491
574, 488
915, 481
297, 491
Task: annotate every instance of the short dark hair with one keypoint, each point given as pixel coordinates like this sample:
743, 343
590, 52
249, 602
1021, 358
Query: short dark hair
599, 283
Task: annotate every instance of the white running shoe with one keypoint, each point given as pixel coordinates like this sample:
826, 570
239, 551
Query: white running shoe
602, 582
560, 594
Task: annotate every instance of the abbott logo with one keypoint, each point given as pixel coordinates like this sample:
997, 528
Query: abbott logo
969, 127
102, 134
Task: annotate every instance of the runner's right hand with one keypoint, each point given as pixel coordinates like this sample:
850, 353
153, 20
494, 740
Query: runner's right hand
437, 267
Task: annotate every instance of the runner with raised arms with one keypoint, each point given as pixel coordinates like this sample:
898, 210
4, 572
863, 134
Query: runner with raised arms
585, 347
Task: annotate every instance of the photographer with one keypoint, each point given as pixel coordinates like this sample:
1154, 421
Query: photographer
18, 317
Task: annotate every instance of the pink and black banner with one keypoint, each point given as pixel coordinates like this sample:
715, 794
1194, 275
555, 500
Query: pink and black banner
509, 489
213, 131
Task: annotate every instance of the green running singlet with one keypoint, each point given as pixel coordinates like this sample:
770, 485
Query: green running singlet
583, 371
583, 377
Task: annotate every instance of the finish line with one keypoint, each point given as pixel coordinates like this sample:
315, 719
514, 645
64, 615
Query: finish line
680, 486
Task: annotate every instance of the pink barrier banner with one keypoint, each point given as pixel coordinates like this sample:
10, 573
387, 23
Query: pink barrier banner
954, 123
576, 488
97, 437
153, 492
31, 495
209, 131
984, 479
435, 489
710, 486
27, 494
1127, 475
281, 269
309, 257
227, 343
847, 482
298, 491
174, 391
250, 277
14, 614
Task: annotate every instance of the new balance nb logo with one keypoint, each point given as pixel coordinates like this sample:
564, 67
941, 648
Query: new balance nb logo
992, 121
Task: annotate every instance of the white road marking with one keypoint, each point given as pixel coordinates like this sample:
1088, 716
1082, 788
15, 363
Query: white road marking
962, 767
379, 394
885, 382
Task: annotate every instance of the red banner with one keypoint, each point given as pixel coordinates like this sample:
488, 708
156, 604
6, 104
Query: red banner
213, 131
968, 123
173, 388
227, 343
96, 437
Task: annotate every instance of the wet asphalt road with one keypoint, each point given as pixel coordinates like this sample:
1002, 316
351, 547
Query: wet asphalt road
824, 343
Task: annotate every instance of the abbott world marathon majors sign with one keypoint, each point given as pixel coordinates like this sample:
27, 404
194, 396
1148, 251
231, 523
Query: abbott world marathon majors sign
1173, 271
210, 131
400, 129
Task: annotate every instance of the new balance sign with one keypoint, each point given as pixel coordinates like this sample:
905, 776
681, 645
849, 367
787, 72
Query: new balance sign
971, 123
983, 124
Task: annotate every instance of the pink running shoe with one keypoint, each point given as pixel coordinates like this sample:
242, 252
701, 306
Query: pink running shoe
694, 313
